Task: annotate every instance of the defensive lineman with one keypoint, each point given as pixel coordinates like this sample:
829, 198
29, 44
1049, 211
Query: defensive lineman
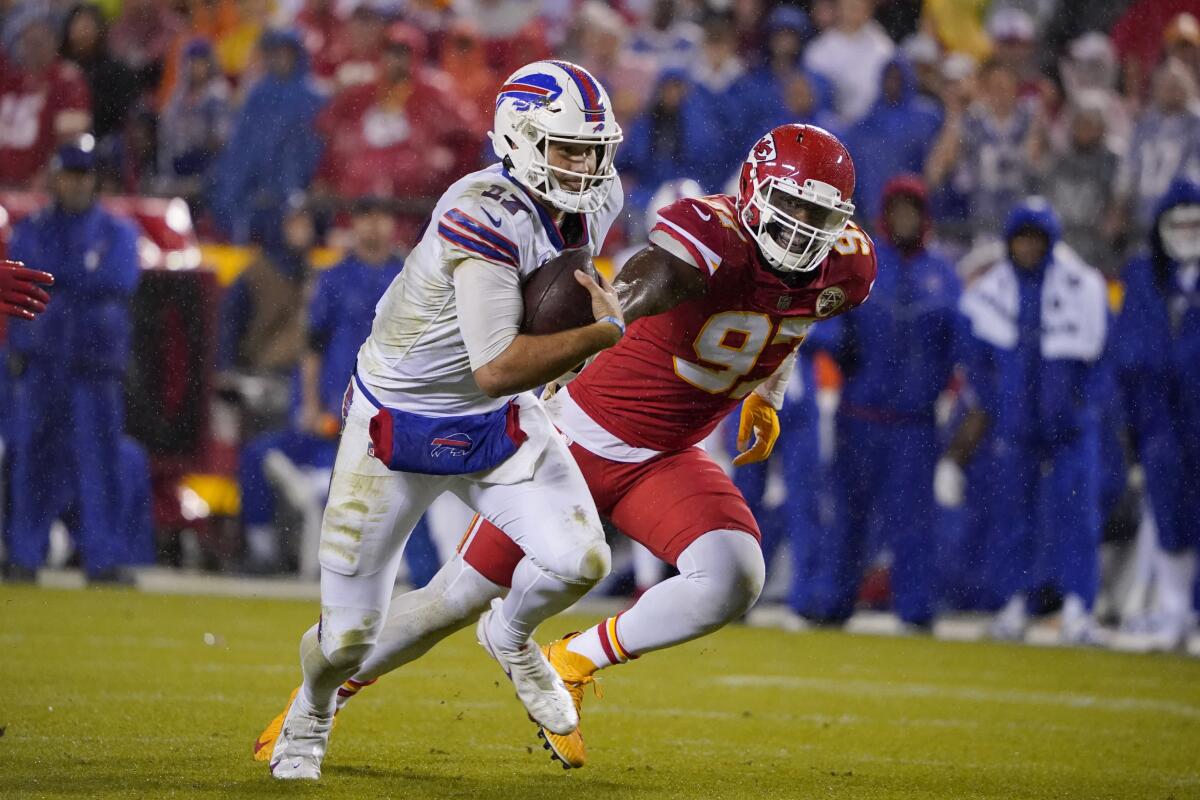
440, 402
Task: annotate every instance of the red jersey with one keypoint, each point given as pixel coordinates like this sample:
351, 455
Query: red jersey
29, 107
675, 375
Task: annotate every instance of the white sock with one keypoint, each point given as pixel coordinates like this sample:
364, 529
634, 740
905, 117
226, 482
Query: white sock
601, 645
536, 595
321, 679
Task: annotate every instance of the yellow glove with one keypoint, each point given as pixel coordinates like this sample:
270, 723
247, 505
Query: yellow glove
760, 420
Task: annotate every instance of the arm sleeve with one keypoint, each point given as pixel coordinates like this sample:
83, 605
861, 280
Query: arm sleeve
489, 303
773, 388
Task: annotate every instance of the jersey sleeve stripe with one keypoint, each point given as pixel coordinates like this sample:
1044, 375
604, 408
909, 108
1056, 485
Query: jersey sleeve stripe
703, 255
474, 236
663, 238
472, 225
474, 246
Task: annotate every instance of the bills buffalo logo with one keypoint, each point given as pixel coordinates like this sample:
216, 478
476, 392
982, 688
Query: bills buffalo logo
455, 445
765, 149
530, 91
830, 300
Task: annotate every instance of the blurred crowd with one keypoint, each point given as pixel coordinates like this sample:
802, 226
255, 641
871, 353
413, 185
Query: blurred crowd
278, 120
237, 105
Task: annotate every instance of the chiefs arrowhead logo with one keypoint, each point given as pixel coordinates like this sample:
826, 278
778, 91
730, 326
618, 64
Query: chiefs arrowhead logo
830, 300
765, 149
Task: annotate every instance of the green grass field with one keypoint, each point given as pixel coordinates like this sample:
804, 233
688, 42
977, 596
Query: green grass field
117, 694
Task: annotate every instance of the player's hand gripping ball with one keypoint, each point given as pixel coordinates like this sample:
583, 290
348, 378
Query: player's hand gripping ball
760, 421
554, 299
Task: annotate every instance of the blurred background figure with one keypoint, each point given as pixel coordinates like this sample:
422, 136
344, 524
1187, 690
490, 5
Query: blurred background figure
403, 134
1077, 176
897, 354
261, 337
195, 122
1164, 146
851, 55
1038, 322
983, 147
44, 100
69, 458
894, 137
1157, 358
114, 87
273, 149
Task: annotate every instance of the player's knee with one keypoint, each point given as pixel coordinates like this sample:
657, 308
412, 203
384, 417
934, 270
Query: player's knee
347, 636
732, 564
595, 562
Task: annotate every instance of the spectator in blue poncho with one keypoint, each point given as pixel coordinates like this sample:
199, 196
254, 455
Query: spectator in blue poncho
770, 95
894, 138
273, 151
677, 136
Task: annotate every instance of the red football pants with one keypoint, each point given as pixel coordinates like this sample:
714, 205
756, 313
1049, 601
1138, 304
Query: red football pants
665, 503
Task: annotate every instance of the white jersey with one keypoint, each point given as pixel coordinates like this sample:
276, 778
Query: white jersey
415, 358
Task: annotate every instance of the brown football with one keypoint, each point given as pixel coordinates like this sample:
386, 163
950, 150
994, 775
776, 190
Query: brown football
554, 300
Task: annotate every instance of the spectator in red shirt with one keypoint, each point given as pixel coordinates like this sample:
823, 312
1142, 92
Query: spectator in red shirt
1138, 37
404, 135
43, 100
350, 57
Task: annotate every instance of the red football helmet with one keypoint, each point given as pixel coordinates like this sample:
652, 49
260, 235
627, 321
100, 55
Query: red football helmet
794, 195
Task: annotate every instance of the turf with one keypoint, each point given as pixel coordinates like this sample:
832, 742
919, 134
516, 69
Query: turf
119, 694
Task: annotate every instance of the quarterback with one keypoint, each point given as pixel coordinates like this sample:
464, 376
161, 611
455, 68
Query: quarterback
440, 402
723, 295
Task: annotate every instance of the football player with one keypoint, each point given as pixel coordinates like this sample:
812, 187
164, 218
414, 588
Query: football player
21, 292
723, 295
440, 402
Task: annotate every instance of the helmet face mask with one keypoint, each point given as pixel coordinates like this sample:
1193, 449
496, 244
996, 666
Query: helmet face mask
1179, 229
550, 103
794, 196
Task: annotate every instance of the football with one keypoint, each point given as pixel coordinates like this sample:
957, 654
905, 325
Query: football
554, 300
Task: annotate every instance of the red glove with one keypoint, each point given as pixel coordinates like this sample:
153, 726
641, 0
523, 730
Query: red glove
20, 294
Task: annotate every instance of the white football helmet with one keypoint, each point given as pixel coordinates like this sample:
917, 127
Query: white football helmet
556, 101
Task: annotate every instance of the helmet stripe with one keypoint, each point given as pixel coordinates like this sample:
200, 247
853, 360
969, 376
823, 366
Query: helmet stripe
593, 107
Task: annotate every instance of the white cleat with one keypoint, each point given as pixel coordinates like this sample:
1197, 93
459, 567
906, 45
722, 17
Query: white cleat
301, 745
1157, 632
1078, 627
1011, 624
539, 688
